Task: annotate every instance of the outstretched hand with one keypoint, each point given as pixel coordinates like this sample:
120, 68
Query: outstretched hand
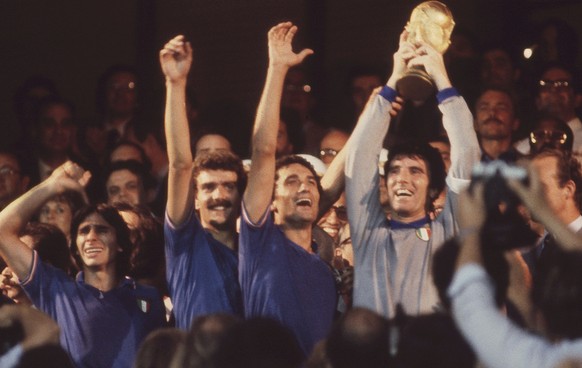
176, 59
280, 48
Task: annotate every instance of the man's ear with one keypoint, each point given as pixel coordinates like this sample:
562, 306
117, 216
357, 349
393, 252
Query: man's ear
570, 188
577, 100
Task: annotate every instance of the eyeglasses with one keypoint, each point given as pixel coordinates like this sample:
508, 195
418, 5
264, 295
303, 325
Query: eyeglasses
553, 135
7, 171
559, 85
341, 212
327, 152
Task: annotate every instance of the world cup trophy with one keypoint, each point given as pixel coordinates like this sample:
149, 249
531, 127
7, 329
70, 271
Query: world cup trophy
431, 22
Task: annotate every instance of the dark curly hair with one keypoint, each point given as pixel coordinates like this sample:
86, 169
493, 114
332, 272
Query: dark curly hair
295, 159
220, 160
113, 218
434, 163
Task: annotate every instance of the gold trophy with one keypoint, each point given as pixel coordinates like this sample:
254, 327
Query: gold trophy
431, 22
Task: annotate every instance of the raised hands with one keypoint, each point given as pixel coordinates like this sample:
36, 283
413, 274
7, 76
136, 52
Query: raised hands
69, 176
280, 48
433, 63
176, 59
406, 51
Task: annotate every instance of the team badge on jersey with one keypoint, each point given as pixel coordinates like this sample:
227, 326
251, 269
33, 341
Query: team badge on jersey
143, 305
423, 233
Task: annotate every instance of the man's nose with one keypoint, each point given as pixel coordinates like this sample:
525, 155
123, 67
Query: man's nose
332, 217
305, 186
219, 192
402, 177
92, 233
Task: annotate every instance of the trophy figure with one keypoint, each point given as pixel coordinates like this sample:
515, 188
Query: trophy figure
431, 22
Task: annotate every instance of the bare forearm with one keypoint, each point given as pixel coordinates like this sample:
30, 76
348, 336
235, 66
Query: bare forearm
17, 214
262, 171
470, 248
12, 220
268, 112
176, 125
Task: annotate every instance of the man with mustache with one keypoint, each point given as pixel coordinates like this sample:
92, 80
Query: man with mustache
495, 123
202, 208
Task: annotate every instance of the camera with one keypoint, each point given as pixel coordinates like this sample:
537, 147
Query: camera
505, 228
495, 175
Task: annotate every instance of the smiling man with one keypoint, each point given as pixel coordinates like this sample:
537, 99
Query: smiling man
392, 258
202, 208
281, 274
103, 315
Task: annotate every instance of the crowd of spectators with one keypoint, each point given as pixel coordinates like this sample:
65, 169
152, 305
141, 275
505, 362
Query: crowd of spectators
437, 233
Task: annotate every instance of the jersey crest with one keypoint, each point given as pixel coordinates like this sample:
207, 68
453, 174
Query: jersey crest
423, 233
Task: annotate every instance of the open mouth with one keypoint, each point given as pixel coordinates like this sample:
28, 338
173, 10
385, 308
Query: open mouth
93, 250
218, 208
403, 193
303, 202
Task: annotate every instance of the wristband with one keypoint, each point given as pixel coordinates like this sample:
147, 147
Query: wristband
446, 93
388, 93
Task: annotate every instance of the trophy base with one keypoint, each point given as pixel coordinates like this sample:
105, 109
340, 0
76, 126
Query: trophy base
416, 85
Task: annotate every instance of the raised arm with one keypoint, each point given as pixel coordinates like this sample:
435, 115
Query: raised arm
175, 59
258, 193
361, 169
16, 215
457, 118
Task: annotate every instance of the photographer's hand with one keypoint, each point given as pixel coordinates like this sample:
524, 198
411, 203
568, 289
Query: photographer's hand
472, 214
519, 288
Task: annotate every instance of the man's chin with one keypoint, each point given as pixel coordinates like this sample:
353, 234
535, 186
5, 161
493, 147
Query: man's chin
300, 222
221, 225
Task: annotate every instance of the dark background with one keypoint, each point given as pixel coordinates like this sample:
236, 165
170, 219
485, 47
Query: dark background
73, 42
